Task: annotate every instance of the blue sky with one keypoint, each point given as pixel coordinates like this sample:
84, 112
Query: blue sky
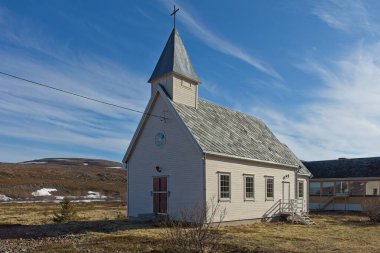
309, 69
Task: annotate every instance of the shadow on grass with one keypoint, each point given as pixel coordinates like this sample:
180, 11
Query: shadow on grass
17, 231
358, 223
350, 219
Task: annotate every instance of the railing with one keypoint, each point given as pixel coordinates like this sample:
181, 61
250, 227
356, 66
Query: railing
293, 206
327, 203
275, 209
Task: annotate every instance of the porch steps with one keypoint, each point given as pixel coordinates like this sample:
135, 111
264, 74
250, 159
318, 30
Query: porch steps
300, 218
305, 219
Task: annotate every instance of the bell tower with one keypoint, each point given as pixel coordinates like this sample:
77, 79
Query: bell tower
175, 73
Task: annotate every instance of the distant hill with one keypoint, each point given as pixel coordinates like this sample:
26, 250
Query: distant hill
76, 162
51, 179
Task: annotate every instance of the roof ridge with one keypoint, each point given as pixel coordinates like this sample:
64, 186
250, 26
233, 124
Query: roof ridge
344, 159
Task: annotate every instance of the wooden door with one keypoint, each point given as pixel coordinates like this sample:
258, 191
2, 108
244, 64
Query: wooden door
160, 194
285, 192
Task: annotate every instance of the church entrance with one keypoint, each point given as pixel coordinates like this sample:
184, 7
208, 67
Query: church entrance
160, 194
285, 192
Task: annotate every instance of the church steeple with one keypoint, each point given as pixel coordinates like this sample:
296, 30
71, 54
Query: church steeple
175, 73
174, 59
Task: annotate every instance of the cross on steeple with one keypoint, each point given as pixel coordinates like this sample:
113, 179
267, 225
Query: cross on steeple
174, 13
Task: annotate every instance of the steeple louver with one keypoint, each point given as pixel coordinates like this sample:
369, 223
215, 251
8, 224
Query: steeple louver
174, 59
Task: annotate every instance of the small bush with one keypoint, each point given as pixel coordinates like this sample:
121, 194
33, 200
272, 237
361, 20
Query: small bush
196, 230
120, 216
371, 208
66, 213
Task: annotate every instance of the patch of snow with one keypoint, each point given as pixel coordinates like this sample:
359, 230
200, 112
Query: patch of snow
33, 163
43, 192
87, 200
95, 195
85, 164
58, 201
117, 167
5, 198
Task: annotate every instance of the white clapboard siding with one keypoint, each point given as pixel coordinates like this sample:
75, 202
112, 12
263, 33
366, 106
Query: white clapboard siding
237, 208
179, 90
167, 82
184, 92
179, 158
371, 185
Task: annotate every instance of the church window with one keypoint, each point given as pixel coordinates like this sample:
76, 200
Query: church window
224, 186
249, 187
269, 188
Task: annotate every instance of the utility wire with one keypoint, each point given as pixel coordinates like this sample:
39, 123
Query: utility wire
81, 96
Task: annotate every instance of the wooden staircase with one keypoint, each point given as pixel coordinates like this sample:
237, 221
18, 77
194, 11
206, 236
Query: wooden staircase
294, 210
326, 204
305, 219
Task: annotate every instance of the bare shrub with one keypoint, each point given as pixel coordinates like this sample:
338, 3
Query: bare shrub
197, 229
371, 208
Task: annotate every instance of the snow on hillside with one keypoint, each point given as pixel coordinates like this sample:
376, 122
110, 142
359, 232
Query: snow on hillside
95, 195
43, 192
5, 198
75, 162
33, 162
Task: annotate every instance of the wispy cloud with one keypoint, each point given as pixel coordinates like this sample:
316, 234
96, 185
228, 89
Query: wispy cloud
219, 43
345, 15
345, 120
56, 121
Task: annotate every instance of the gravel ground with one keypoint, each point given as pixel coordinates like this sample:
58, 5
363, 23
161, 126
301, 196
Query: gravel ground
30, 238
32, 245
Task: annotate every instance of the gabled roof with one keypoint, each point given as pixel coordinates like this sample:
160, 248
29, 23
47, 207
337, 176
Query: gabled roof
175, 59
345, 168
223, 131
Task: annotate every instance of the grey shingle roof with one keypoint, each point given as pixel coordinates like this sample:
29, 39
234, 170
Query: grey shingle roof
174, 58
221, 130
345, 168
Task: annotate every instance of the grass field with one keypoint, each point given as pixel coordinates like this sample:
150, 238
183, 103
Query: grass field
101, 228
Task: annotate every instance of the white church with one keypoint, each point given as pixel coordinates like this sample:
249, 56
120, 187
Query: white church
187, 150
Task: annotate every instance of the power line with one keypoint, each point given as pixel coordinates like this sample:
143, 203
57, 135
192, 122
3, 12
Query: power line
81, 96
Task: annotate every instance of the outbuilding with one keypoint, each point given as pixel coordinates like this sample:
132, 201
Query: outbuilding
343, 184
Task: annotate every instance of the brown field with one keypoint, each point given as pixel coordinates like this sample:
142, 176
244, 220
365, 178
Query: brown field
101, 227
69, 176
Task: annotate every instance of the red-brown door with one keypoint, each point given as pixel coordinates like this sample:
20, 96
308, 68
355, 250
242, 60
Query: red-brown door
160, 194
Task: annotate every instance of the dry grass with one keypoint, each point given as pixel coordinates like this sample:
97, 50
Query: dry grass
334, 233
42, 213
